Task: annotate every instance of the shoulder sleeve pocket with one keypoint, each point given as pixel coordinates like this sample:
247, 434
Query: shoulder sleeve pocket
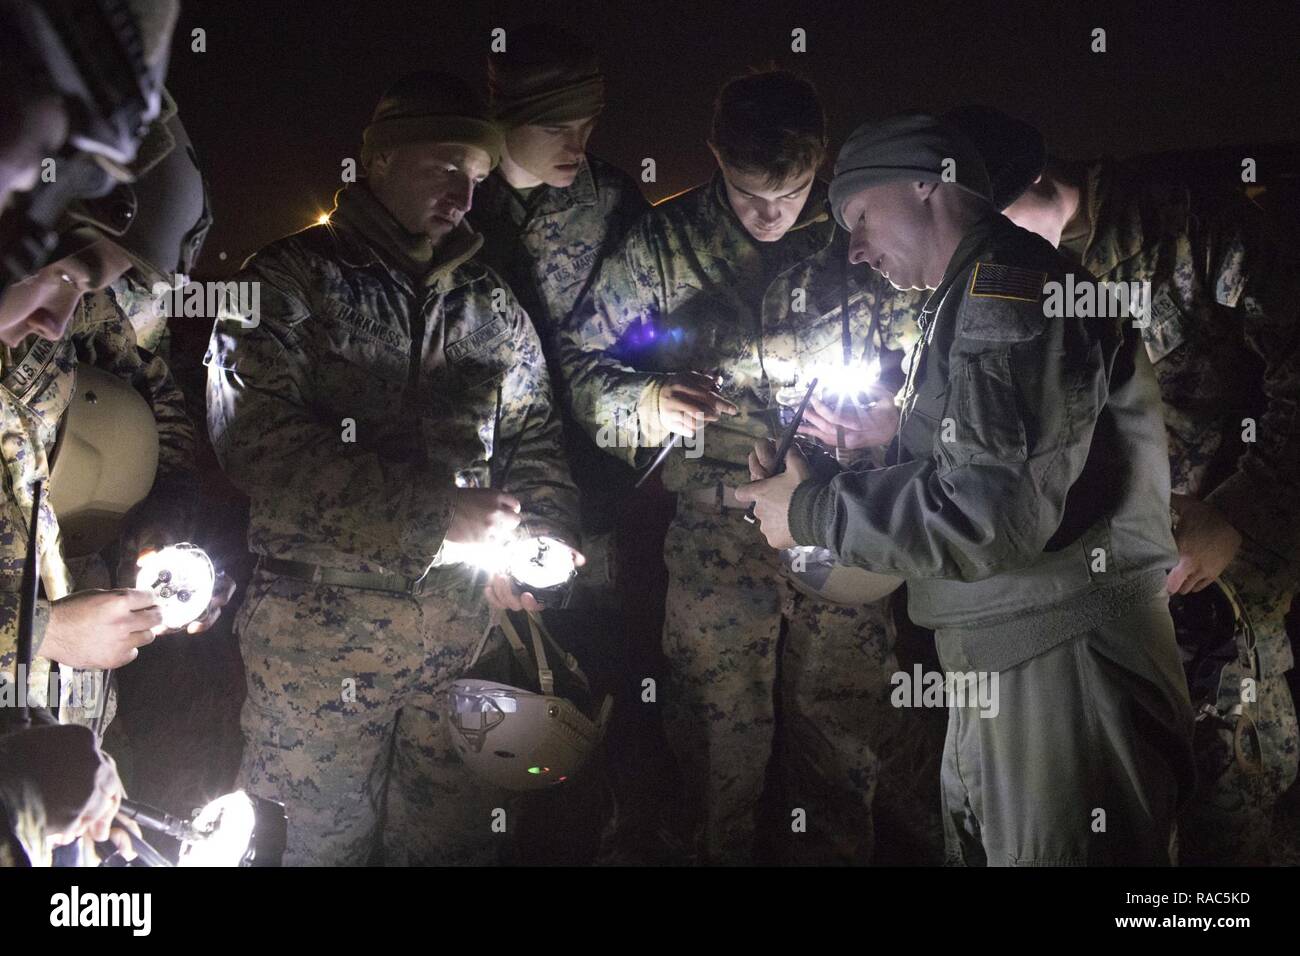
984, 424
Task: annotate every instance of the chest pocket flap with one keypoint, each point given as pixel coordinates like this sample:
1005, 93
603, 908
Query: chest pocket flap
481, 355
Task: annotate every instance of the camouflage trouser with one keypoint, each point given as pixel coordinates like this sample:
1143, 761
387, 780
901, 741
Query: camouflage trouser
1228, 820
345, 724
757, 669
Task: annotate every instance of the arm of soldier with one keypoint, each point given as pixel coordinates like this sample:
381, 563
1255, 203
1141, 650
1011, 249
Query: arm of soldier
1259, 278
622, 207
9, 601
615, 403
275, 448
988, 500
530, 434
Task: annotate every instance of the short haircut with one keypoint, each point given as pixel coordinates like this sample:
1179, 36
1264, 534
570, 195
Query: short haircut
770, 122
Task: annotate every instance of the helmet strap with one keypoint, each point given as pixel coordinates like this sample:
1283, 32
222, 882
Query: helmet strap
540, 636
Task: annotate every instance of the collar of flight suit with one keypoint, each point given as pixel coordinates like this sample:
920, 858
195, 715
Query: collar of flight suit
973, 241
1115, 232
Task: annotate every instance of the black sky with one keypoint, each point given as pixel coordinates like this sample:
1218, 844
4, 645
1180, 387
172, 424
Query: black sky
284, 88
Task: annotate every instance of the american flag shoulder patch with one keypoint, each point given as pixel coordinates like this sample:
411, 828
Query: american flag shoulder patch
994, 281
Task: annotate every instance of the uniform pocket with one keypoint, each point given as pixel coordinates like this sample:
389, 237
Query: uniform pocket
362, 349
986, 427
254, 593
482, 356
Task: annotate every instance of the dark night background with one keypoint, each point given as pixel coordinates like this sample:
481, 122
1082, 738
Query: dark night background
284, 89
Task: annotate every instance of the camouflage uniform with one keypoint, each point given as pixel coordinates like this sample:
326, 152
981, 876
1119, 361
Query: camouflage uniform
547, 247
147, 314
689, 289
1224, 336
38, 383
347, 677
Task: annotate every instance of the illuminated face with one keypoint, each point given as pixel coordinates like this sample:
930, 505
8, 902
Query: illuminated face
550, 154
767, 212
43, 304
429, 187
892, 231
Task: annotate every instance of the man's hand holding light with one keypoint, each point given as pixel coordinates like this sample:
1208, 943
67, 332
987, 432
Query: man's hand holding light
771, 496
866, 424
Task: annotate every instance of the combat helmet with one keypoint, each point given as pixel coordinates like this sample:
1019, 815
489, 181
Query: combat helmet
515, 721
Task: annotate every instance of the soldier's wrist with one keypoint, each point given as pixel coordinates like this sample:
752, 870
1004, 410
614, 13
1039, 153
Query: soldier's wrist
434, 534
41, 627
650, 427
807, 512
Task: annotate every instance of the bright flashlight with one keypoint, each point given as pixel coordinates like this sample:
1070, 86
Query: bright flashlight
233, 830
846, 381
223, 832
182, 578
540, 564
543, 566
